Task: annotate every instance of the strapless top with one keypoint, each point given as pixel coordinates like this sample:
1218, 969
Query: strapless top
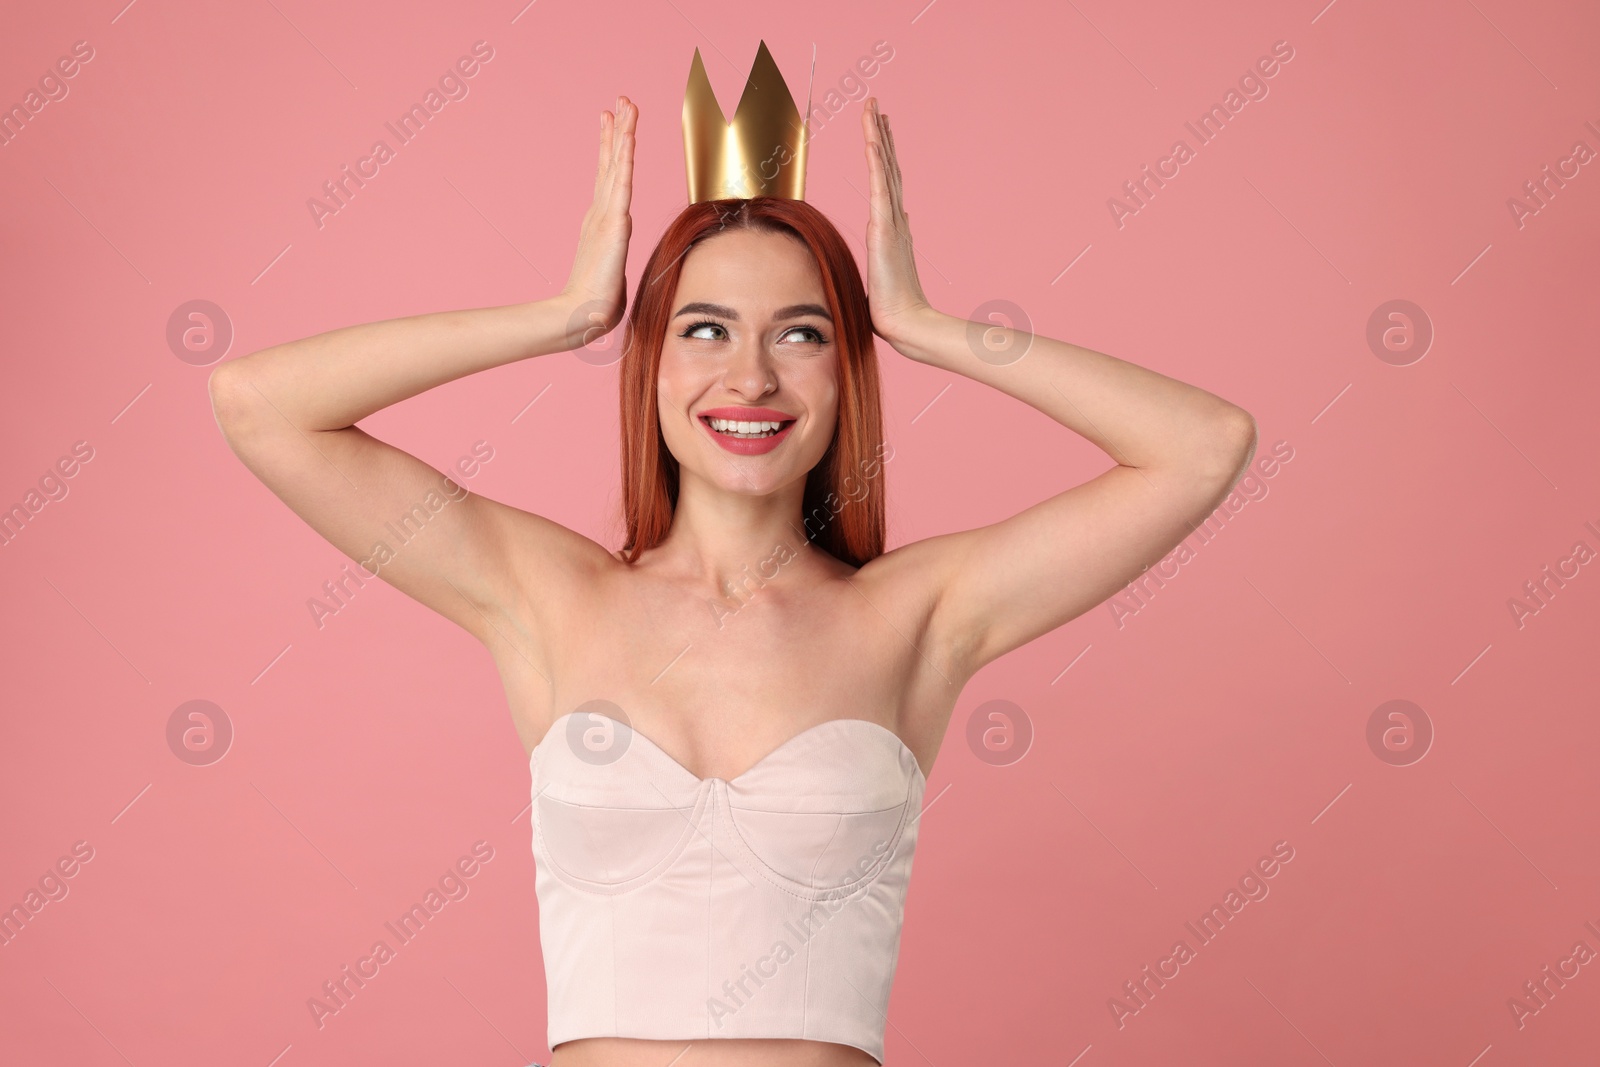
768, 905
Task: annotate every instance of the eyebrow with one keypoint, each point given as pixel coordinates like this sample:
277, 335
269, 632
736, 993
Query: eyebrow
793, 311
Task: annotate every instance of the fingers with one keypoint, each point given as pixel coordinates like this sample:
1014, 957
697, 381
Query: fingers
886, 135
622, 170
884, 166
605, 149
619, 122
616, 149
877, 165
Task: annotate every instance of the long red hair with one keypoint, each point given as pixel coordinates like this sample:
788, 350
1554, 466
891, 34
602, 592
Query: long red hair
837, 515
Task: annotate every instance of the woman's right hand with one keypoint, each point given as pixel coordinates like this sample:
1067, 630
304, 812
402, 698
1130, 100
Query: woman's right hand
597, 287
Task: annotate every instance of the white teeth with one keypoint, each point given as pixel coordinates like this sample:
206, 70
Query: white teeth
744, 428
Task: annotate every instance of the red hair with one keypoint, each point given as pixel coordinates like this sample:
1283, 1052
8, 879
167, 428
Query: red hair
838, 517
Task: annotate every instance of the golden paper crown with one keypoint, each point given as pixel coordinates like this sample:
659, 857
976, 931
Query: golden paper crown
762, 152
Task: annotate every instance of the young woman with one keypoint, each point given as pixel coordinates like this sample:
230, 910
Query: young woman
728, 881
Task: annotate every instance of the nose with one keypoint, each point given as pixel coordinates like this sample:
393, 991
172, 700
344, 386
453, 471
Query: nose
749, 371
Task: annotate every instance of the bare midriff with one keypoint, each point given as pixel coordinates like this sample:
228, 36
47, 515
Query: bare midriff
718, 1052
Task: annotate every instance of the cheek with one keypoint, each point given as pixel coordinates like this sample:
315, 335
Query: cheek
820, 384
676, 384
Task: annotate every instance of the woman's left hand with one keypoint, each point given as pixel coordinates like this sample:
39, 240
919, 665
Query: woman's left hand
893, 291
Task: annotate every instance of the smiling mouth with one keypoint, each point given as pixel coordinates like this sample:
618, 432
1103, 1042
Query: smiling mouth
753, 435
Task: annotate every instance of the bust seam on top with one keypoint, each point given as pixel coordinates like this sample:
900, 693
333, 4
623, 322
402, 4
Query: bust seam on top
851, 889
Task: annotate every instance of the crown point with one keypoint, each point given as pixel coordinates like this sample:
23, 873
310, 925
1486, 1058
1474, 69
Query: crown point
760, 151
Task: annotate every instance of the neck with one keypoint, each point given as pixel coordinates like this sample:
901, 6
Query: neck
729, 542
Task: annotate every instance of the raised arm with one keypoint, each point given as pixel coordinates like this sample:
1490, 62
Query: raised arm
1178, 450
289, 413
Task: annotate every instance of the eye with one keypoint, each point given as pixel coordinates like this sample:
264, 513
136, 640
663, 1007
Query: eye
819, 338
700, 326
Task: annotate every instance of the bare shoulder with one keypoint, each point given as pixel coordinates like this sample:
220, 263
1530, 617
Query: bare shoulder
551, 572
911, 579
904, 586
552, 562
908, 574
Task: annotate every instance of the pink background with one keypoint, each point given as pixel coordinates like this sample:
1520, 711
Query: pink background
1229, 713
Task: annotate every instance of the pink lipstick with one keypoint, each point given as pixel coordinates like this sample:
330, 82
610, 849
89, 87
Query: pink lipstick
756, 439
